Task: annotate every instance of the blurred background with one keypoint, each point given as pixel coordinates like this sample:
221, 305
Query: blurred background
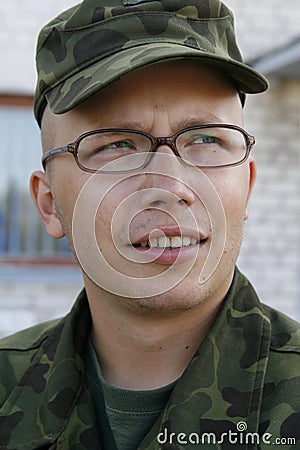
38, 277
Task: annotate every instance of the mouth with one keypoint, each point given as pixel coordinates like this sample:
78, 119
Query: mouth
170, 245
169, 242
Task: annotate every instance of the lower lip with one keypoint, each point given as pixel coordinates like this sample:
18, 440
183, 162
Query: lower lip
174, 256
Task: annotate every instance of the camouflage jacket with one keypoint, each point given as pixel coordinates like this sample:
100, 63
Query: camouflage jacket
241, 389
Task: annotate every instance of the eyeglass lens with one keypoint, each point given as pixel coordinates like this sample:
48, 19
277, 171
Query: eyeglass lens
129, 150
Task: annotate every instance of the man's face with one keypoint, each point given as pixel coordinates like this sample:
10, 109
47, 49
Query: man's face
146, 237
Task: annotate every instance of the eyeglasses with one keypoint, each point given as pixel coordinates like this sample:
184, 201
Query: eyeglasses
123, 150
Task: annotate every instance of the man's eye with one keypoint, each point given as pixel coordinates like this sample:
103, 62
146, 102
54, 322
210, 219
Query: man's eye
119, 145
203, 139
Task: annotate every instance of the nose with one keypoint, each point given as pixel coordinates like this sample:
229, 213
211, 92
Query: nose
165, 182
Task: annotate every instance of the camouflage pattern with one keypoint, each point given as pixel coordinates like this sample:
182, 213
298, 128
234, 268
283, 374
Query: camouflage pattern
247, 369
97, 42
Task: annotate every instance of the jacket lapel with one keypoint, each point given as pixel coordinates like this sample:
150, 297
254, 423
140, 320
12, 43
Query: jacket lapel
221, 389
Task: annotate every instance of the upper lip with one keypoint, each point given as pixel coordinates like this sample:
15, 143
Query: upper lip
170, 231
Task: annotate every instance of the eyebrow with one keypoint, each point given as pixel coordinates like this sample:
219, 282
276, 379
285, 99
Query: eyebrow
194, 121
132, 125
186, 122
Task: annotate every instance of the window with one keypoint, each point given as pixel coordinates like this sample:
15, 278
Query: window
22, 235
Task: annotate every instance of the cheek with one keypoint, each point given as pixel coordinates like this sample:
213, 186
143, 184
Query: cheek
233, 190
66, 194
69, 196
113, 216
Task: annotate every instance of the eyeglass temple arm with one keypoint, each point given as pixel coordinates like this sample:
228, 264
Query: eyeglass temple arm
56, 151
251, 141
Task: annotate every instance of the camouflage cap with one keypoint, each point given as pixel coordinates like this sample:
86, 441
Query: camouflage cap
97, 42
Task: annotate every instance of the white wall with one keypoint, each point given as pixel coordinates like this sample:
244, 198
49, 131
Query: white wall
20, 22
263, 25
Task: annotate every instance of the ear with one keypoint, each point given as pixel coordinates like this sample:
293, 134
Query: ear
252, 179
44, 202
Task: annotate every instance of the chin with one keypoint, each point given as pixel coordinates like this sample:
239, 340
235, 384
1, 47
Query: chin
176, 300
187, 296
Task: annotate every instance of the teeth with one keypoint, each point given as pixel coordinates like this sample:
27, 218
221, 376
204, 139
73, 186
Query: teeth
176, 242
153, 242
170, 242
163, 242
186, 241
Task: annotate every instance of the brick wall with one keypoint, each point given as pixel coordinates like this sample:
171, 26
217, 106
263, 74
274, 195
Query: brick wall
34, 293
26, 303
271, 250
270, 254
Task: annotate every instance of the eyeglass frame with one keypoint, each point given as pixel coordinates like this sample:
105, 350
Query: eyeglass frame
170, 141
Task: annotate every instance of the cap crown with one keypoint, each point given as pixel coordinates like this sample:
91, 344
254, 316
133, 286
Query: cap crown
96, 42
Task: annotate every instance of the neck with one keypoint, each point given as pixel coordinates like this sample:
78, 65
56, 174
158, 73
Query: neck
146, 351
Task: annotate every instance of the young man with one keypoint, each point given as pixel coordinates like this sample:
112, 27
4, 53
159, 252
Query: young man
148, 173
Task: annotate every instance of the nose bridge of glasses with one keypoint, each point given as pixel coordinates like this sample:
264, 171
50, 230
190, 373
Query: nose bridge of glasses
168, 141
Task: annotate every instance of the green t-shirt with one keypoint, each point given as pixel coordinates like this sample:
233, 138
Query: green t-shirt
125, 416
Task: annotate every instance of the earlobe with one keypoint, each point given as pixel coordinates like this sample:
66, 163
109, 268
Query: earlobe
44, 203
252, 179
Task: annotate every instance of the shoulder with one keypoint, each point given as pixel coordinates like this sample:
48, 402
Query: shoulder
18, 351
281, 397
27, 339
33, 337
285, 332
283, 369
30, 352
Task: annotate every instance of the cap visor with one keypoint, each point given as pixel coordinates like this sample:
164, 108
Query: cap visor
86, 82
